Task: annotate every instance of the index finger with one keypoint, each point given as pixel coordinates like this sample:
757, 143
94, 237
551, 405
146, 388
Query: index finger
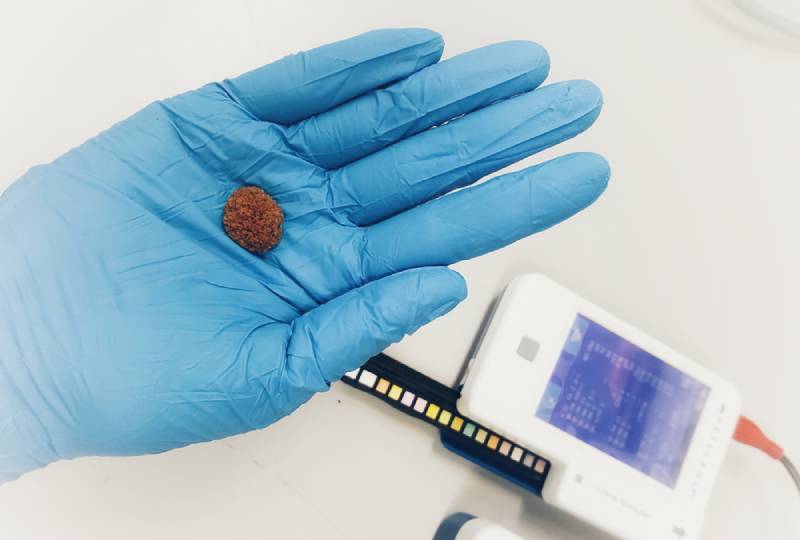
483, 218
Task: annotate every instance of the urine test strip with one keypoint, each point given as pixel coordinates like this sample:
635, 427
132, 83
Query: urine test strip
428, 400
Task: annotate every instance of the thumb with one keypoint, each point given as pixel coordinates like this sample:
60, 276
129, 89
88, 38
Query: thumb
341, 335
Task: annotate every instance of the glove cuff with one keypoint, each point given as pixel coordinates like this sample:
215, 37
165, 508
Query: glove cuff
24, 444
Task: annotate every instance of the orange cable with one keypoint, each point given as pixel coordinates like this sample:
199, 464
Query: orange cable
747, 432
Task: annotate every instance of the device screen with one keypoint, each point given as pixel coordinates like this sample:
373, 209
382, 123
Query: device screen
624, 401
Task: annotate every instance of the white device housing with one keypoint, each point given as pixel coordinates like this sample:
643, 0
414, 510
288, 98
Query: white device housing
503, 390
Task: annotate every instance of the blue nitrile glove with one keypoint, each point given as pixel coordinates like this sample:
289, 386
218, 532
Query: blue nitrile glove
130, 323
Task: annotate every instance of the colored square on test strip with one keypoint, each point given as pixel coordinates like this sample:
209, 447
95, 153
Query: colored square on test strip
469, 430
494, 440
445, 417
457, 423
395, 392
367, 378
481, 436
383, 386
420, 405
408, 398
433, 411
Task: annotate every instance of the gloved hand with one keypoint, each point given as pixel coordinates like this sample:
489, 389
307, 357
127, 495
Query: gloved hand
130, 323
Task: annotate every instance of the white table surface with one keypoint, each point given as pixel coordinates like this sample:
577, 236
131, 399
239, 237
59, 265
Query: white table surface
695, 241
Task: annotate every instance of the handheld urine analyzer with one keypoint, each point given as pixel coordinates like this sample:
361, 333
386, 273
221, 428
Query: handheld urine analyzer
635, 432
578, 407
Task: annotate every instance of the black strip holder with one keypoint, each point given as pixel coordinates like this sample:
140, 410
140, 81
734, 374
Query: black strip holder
531, 476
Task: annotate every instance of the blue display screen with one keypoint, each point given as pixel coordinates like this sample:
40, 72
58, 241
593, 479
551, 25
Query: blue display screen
624, 401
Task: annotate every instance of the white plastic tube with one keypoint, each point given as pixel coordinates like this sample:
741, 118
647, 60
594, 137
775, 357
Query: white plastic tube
463, 526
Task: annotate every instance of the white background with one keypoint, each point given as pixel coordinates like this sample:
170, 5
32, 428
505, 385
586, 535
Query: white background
695, 241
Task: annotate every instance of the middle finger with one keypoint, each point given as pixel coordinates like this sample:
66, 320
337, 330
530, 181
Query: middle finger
459, 153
